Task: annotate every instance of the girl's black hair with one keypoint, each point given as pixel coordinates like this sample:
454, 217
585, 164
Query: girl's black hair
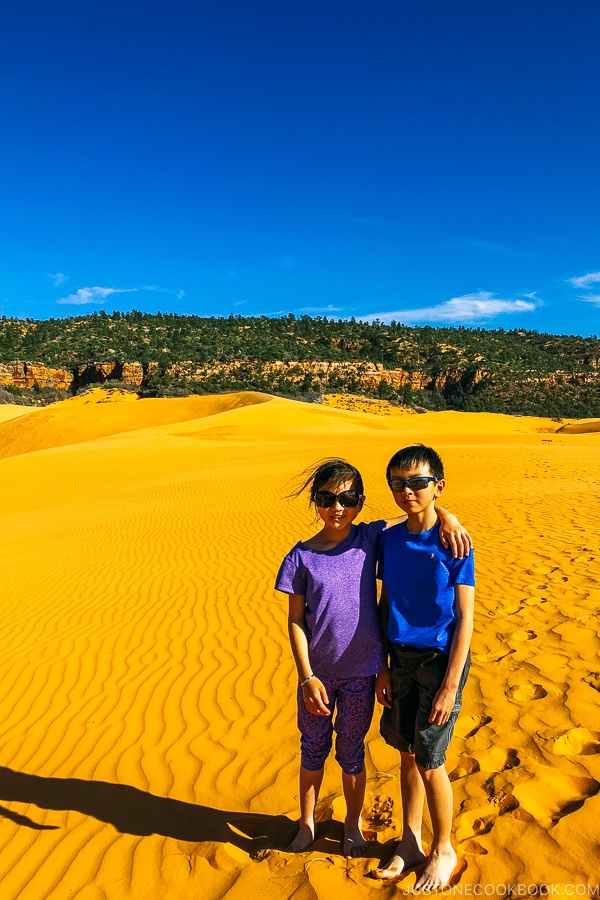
333, 471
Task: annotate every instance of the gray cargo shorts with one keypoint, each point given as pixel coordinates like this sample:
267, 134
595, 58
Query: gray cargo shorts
416, 676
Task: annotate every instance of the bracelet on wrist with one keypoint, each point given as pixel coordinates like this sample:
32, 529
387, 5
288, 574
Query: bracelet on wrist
306, 680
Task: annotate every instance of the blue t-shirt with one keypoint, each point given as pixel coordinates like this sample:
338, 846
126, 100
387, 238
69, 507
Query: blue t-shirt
419, 575
340, 591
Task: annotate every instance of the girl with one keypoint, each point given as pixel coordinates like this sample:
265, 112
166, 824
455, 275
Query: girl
335, 636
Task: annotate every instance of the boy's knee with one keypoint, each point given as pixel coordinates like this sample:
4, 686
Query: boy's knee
431, 772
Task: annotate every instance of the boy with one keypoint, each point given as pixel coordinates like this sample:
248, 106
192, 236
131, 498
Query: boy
427, 617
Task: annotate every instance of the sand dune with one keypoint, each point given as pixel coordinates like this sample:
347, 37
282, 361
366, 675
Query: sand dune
8, 412
148, 739
114, 412
586, 426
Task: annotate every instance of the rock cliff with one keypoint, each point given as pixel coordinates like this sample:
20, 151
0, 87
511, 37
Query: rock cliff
369, 375
28, 375
314, 374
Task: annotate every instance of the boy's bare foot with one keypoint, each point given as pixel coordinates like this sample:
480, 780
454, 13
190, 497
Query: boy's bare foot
354, 841
405, 856
438, 870
303, 840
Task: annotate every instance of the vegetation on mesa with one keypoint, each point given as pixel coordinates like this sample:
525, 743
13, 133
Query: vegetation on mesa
471, 369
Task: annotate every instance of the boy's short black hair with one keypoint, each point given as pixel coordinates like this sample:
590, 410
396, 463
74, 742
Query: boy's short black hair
415, 456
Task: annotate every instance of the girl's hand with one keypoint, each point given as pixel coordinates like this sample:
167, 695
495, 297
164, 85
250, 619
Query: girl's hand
383, 688
455, 536
315, 697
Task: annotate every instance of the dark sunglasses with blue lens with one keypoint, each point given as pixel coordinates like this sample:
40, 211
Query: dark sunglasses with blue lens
418, 483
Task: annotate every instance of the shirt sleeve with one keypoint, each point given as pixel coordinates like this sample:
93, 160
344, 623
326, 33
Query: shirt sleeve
463, 570
374, 529
291, 578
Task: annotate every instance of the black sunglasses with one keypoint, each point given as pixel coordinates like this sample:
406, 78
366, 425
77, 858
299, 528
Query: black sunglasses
326, 499
418, 483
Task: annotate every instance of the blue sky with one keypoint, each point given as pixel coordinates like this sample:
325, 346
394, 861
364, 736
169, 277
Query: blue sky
429, 162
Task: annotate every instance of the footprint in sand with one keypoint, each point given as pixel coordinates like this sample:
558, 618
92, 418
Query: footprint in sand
534, 601
576, 742
474, 847
465, 765
479, 820
495, 656
378, 812
524, 635
548, 794
593, 679
467, 726
508, 610
503, 801
524, 692
497, 759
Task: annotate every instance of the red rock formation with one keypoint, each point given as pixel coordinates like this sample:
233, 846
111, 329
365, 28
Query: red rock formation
98, 373
327, 374
27, 375
368, 374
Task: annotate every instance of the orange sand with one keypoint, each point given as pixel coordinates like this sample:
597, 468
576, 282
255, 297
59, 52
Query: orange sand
8, 412
583, 427
148, 741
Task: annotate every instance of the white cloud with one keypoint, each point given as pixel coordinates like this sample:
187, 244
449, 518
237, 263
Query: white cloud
162, 290
58, 278
586, 281
93, 295
592, 298
532, 295
319, 309
468, 308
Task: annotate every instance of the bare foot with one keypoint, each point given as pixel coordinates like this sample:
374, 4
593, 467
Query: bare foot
303, 840
354, 841
405, 856
438, 870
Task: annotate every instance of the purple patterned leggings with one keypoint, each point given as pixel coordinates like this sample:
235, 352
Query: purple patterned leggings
353, 700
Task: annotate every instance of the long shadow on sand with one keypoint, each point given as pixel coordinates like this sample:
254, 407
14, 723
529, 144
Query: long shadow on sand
133, 811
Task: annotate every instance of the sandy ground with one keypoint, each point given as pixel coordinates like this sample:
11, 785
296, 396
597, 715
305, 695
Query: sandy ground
148, 744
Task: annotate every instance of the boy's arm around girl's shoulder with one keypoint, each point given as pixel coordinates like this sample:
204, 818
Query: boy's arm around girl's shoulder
453, 535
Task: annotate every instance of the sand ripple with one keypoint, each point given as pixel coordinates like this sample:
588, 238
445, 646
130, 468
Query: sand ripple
148, 746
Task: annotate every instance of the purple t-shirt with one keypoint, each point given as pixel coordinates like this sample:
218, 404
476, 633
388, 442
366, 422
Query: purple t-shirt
340, 589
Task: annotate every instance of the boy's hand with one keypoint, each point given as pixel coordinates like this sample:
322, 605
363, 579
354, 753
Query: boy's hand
455, 536
442, 705
383, 688
315, 697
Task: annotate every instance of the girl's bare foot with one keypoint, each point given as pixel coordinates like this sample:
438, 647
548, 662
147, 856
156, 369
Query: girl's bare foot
303, 840
438, 870
354, 841
405, 856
